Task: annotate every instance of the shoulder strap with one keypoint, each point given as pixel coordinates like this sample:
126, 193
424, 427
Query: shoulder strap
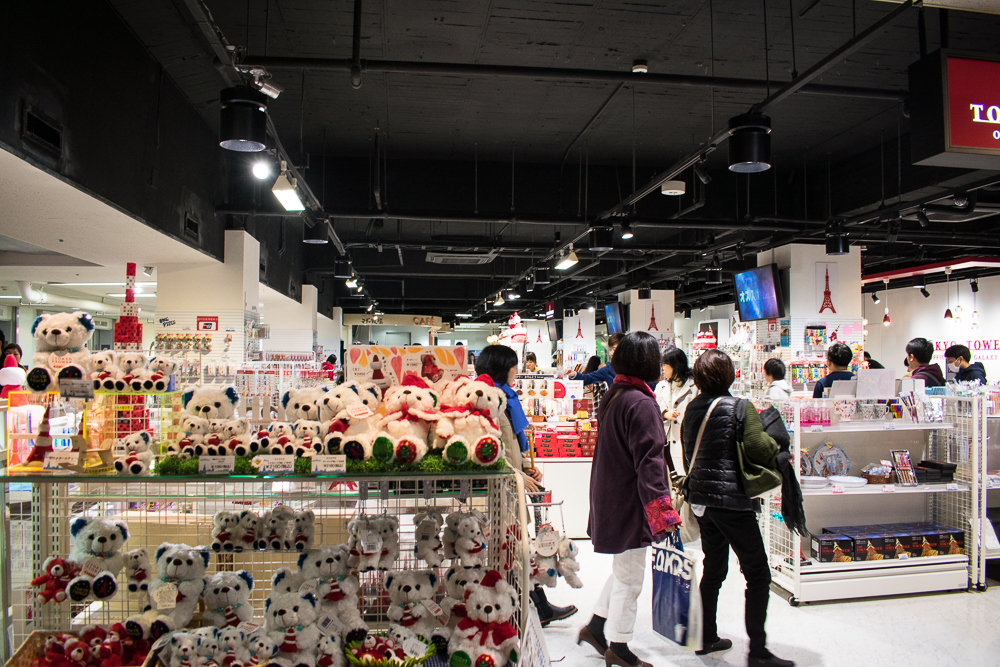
701, 432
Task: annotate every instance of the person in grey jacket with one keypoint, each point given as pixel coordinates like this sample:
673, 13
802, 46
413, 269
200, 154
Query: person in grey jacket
778, 388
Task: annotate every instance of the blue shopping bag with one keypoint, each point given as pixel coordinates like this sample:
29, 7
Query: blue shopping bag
676, 598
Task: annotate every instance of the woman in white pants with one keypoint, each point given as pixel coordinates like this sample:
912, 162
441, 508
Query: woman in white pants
629, 495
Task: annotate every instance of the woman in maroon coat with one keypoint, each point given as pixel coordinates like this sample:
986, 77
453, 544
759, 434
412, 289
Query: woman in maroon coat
629, 494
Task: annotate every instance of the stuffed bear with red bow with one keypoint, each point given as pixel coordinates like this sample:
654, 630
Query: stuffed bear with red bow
468, 423
336, 587
58, 573
486, 637
411, 410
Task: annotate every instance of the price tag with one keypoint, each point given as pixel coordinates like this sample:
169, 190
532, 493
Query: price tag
903, 556
165, 597
330, 626
275, 463
816, 429
56, 460
307, 587
887, 464
445, 616
372, 544
953, 487
414, 647
329, 464
888, 488
359, 411
837, 488
547, 545
92, 569
889, 426
433, 607
483, 522
216, 465
76, 389
248, 627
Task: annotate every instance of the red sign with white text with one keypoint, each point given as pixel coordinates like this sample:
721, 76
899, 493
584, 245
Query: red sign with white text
208, 323
974, 103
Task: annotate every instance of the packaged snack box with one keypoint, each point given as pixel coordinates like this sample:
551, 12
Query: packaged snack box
832, 548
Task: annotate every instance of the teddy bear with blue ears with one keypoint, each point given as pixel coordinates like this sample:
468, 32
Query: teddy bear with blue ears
227, 599
61, 349
95, 545
182, 567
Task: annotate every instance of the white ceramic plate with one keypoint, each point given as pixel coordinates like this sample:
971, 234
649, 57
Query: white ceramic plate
847, 480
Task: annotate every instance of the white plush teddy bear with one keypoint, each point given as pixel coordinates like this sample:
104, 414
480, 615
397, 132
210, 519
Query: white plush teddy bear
290, 621
486, 636
568, 566
427, 536
138, 571
450, 533
308, 432
232, 645
131, 366
365, 544
196, 429
210, 649
388, 530
236, 438
214, 442
184, 650
276, 529
355, 426
104, 369
286, 580
544, 569
261, 648
336, 400
227, 599
302, 403
303, 530
210, 402
469, 545
330, 652
468, 422
95, 544
276, 437
249, 522
156, 376
60, 349
226, 534
182, 568
138, 456
457, 581
411, 409
409, 590
336, 588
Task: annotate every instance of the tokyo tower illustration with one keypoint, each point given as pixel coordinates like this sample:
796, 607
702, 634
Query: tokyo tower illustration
579, 328
539, 336
652, 318
827, 301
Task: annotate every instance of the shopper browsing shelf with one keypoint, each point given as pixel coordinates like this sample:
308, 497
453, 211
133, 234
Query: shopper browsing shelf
918, 360
605, 373
673, 393
872, 364
778, 388
838, 360
629, 495
725, 514
959, 358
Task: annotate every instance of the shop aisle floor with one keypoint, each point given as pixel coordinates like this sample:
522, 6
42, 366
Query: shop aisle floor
934, 629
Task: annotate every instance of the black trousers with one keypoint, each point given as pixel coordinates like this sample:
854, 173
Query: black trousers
721, 529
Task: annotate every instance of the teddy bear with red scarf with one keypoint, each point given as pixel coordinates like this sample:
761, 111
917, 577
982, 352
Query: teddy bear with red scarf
411, 410
468, 423
486, 637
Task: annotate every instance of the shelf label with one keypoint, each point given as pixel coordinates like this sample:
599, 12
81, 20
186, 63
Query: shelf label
888, 488
816, 429
274, 463
56, 460
216, 465
329, 463
889, 426
165, 597
887, 464
953, 487
837, 488
76, 389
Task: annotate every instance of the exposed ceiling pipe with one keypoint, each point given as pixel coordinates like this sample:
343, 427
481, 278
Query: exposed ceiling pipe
356, 47
33, 297
553, 74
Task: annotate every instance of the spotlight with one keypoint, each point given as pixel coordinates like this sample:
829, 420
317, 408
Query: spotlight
499, 301
714, 272
243, 120
361, 286
923, 219
352, 282
749, 143
318, 234
836, 240
371, 305
919, 282
567, 261
875, 298
284, 190
148, 271
341, 269
601, 239
701, 173
885, 320
923, 290
590, 308
272, 90
739, 252
542, 275
529, 284
673, 188
513, 293
627, 230
645, 292
974, 284
261, 169
640, 66
687, 313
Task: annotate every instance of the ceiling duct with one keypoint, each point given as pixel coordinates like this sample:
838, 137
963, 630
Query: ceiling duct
460, 259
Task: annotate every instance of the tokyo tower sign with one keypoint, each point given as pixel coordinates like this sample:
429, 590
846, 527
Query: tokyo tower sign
826, 295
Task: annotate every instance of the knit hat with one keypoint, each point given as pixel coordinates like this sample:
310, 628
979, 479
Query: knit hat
491, 579
486, 379
412, 380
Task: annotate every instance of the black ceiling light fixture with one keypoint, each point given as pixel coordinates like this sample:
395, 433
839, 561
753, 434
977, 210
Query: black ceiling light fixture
922, 218
601, 239
739, 252
923, 290
342, 269
529, 284
627, 230
318, 234
749, 143
876, 298
714, 272
542, 275
836, 239
701, 173
645, 292
687, 313
243, 120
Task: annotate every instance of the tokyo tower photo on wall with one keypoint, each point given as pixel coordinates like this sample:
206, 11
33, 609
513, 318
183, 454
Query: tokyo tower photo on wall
827, 284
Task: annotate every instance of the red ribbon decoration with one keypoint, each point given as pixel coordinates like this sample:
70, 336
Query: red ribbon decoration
501, 631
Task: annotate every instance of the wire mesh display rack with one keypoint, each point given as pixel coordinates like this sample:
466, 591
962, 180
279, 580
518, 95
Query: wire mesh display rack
180, 510
958, 438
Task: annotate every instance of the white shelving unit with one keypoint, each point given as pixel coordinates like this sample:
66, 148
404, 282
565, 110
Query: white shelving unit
959, 439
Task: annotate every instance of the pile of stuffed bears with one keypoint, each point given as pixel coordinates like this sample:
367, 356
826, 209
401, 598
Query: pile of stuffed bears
61, 354
459, 420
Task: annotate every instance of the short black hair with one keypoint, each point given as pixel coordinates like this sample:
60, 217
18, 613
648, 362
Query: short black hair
840, 355
615, 339
775, 368
496, 361
332, 359
592, 364
638, 355
530, 357
957, 351
867, 355
713, 372
678, 361
9, 348
921, 349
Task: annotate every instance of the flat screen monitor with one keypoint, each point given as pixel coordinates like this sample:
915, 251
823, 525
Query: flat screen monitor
613, 315
758, 294
553, 330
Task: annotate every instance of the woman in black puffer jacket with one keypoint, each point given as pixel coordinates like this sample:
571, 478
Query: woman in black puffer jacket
725, 513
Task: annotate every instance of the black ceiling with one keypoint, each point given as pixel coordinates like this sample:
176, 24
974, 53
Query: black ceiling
448, 140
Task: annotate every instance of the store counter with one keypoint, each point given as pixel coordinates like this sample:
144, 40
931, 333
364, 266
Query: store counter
569, 481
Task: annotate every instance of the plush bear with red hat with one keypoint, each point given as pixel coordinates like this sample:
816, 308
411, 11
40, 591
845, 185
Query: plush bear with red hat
58, 573
411, 410
468, 423
486, 637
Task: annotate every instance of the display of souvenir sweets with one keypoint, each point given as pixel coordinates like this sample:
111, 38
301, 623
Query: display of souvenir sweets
705, 340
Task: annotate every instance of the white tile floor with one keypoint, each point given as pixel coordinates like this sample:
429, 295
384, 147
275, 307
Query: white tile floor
939, 630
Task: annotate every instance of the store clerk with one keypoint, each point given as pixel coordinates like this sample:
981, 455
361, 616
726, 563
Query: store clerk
605, 373
838, 360
531, 363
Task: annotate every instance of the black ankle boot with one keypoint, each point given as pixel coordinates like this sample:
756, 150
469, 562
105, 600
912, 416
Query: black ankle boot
552, 613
